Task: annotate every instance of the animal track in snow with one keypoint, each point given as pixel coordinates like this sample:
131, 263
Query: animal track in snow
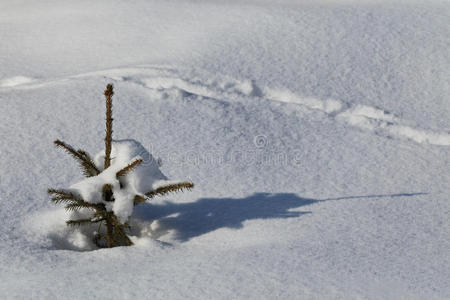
377, 120
361, 116
163, 81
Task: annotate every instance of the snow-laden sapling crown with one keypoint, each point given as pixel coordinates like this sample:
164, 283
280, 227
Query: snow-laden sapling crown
117, 179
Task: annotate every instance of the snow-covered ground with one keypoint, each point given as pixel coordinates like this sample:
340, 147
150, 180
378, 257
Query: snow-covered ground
317, 134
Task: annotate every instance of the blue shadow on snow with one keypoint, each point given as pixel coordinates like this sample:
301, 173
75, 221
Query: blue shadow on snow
208, 214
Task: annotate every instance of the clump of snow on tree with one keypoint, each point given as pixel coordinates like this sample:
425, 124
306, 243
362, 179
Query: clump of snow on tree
144, 178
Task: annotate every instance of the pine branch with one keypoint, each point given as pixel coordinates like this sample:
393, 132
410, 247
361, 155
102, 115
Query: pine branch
78, 222
96, 220
88, 158
138, 199
74, 201
128, 168
108, 137
88, 166
171, 188
62, 199
63, 196
82, 204
60, 192
78, 206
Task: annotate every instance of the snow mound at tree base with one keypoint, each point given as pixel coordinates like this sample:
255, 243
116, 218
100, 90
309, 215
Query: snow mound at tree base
144, 178
49, 230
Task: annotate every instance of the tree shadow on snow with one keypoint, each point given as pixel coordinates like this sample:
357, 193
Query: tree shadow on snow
193, 219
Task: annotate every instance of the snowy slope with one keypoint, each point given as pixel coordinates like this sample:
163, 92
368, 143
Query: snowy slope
317, 135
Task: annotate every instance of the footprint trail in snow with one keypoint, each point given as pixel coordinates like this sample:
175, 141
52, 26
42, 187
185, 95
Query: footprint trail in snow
164, 81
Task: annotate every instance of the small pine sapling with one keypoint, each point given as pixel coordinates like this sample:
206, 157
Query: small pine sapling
116, 193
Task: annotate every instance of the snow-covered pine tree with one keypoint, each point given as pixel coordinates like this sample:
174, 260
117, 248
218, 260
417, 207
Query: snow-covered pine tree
113, 185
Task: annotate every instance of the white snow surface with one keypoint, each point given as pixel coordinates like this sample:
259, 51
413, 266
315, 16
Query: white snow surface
317, 134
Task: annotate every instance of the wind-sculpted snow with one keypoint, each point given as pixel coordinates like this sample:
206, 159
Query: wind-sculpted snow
163, 81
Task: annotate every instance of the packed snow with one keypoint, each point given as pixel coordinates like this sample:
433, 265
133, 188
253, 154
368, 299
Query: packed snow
317, 134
